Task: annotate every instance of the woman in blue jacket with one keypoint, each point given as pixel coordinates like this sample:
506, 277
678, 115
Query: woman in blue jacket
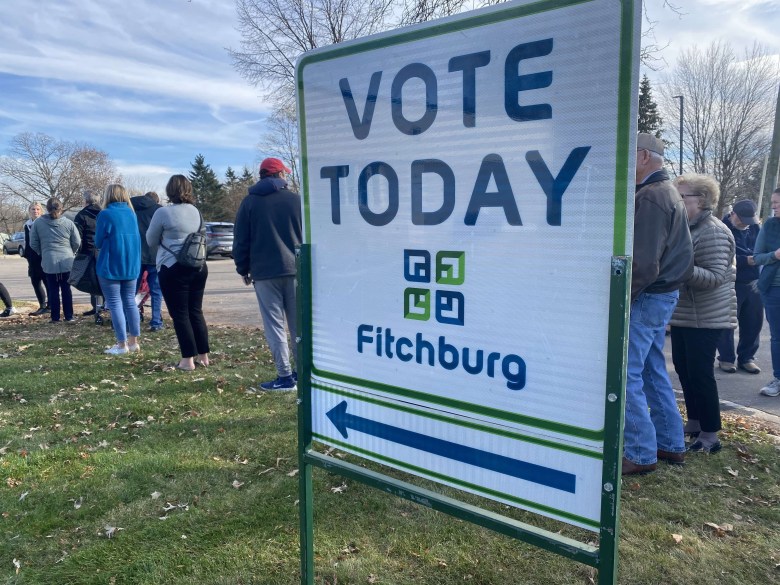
118, 266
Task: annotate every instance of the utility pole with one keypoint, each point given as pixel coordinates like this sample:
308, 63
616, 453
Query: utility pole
681, 130
774, 155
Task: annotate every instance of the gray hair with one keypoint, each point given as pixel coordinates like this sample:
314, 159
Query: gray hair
91, 198
704, 186
656, 158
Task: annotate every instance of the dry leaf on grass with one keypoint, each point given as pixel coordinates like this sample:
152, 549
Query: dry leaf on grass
155, 495
372, 578
732, 472
77, 503
237, 484
293, 473
720, 531
17, 566
339, 489
677, 538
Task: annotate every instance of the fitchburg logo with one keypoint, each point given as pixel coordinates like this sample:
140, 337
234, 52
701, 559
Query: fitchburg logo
449, 269
433, 296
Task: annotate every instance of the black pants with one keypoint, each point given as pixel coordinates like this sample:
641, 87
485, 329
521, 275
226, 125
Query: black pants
5, 296
182, 289
38, 281
56, 284
750, 316
693, 355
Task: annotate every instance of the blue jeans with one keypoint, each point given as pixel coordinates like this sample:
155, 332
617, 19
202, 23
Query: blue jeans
120, 300
771, 300
154, 291
653, 420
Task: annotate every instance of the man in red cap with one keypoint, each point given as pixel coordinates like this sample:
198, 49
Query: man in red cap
267, 231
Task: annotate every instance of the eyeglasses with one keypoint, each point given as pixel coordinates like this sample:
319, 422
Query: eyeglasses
691, 195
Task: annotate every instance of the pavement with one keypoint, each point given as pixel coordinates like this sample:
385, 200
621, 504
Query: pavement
228, 301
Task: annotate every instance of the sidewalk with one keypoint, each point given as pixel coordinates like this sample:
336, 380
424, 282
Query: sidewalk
739, 391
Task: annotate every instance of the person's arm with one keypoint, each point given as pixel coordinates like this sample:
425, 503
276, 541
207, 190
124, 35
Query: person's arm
650, 235
241, 236
154, 233
35, 241
763, 256
75, 239
713, 253
102, 229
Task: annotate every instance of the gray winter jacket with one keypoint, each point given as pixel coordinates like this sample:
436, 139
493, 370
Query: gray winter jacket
707, 299
56, 241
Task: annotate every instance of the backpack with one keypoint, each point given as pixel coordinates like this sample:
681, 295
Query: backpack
192, 253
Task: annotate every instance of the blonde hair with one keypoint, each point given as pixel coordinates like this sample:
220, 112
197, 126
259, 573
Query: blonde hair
35, 204
116, 193
704, 186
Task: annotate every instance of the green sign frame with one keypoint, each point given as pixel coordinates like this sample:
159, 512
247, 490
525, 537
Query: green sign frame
603, 557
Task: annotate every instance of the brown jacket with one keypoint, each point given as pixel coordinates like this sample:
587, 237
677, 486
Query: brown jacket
663, 253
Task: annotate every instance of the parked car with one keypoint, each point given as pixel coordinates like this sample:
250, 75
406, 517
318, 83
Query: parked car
15, 245
219, 238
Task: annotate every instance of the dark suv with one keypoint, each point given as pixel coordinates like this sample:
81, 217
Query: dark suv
219, 238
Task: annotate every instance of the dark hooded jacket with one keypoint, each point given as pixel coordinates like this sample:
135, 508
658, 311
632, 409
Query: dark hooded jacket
85, 221
745, 241
267, 230
663, 251
144, 207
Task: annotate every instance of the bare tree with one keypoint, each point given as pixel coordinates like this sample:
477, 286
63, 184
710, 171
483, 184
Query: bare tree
281, 141
728, 112
39, 166
275, 32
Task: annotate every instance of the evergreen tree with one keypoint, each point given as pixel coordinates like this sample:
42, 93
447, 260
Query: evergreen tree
207, 190
247, 177
230, 178
650, 120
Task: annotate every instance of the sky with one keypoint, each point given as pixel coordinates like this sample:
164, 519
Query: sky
151, 82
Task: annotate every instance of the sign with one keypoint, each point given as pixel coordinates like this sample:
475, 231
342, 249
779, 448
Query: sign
465, 189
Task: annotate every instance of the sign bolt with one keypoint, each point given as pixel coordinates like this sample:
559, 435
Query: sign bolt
612, 397
608, 487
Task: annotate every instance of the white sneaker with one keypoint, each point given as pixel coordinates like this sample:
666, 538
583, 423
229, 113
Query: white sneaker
771, 389
116, 350
134, 347
8, 312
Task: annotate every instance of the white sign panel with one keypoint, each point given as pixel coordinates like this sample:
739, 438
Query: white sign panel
460, 189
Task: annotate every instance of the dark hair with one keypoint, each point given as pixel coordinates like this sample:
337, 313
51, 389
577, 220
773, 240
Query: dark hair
179, 190
153, 195
54, 207
264, 174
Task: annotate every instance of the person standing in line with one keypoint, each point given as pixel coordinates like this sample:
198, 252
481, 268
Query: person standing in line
743, 223
707, 306
267, 231
767, 254
5, 296
86, 221
34, 268
118, 264
662, 261
145, 206
56, 240
182, 286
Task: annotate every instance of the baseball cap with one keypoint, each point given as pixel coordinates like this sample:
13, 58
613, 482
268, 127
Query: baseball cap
273, 165
649, 142
746, 211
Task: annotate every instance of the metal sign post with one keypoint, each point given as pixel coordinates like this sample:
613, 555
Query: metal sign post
463, 286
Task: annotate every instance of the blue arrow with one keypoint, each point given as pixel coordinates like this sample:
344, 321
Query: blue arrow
521, 469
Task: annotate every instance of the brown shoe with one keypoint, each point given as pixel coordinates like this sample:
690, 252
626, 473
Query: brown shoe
631, 468
750, 368
671, 457
727, 367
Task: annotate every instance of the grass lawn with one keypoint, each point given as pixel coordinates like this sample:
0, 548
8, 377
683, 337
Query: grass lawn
120, 470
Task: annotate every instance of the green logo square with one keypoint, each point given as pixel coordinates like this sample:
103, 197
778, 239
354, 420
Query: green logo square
450, 267
417, 304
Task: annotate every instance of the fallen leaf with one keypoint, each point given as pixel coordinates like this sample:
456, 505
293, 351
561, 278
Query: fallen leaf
293, 473
18, 566
677, 538
732, 472
339, 489
77, 503
237, 484
442, 564
23, 496
156, 495
372, 578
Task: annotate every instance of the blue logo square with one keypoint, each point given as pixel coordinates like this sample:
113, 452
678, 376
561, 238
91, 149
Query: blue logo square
450, 307
417, 265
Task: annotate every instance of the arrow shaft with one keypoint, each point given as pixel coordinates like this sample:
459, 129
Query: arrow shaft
532, 472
